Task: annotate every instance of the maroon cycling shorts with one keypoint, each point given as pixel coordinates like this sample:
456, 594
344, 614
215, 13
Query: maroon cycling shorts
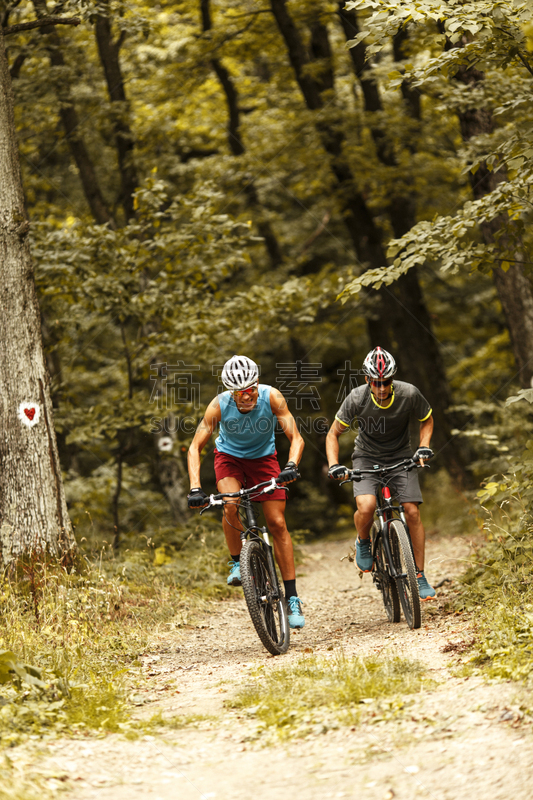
249, 471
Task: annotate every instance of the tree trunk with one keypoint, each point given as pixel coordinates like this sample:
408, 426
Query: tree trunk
419, 356
236, 145
71, 125
401, 308
109, 56
365, 234
514, 288
33, 511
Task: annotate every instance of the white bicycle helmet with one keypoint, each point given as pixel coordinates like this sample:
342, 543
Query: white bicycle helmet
239, 372
379, 364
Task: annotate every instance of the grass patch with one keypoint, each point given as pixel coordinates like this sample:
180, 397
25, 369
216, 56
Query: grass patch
319, 692
83, 632
158, 721
20, 781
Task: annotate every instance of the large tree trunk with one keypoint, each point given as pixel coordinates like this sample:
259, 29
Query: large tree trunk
513, 287
33, 511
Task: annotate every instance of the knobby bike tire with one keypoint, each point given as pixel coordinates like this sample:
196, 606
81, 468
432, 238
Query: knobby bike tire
382, 578
407, 586
269, 615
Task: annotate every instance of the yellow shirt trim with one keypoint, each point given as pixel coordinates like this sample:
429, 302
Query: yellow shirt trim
376, 402
341, 422
427, 416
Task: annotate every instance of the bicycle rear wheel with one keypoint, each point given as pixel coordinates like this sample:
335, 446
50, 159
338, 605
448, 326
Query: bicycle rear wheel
404, 563
268, 613
382, 578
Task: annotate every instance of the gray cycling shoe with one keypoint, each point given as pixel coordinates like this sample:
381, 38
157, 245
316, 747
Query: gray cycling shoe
363, 554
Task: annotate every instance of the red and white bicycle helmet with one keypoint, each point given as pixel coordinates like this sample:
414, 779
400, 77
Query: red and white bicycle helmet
379, 364
239, 372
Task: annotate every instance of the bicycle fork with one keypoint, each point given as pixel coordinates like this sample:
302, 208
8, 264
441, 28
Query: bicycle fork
385, 519
252, 525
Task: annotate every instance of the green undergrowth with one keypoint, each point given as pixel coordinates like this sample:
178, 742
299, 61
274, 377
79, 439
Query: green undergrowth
315, 693
498, 586
71, 640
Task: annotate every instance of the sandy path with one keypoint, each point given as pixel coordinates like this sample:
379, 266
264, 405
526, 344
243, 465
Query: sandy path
462, 739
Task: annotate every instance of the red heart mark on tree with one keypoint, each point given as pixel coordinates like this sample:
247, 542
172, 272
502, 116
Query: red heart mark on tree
30, 413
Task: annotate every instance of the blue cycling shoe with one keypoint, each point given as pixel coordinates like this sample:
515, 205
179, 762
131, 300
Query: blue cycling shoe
363, 554
234, 577
296, 617
425, 590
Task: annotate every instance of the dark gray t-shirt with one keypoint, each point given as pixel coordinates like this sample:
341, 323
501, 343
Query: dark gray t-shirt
384, 431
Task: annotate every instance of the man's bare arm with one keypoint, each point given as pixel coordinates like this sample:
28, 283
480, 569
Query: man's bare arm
332, 441
279, 407
426, 431
203, 433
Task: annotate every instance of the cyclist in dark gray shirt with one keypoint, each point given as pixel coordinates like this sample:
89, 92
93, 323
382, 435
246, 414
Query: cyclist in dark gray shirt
383, 411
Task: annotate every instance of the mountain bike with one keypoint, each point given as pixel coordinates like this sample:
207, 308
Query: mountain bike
393, 569
262, 589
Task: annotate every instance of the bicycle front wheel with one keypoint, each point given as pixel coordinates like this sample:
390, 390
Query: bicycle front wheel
407, 585
382, 577
268, 612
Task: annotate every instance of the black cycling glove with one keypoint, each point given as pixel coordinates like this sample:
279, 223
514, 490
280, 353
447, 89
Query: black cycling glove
197, 498
337, 472
288, 474
424, 453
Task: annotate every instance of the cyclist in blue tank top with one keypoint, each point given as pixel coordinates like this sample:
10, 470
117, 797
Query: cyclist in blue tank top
245, 455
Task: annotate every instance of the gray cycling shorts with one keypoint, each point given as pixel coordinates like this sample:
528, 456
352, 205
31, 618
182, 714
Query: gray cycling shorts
404, 486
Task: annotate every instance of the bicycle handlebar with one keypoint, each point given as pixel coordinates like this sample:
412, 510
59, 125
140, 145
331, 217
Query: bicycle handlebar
266, 488
407, 465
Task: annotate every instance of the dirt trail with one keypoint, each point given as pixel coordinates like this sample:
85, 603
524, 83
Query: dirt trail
462, 739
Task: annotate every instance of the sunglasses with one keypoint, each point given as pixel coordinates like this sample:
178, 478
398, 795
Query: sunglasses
242, 392
382, 383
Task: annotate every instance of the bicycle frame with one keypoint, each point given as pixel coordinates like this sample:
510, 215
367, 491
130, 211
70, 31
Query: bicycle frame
259, 533
385, 514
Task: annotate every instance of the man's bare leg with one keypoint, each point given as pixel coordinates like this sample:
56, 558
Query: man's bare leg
364, 516
416, 532
274, 511
231, 523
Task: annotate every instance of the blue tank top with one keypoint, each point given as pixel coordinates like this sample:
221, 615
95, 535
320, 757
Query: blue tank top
248, 435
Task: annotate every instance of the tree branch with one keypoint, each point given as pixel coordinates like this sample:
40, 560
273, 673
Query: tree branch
526, 63
17, 65
41, 23
321, 227
8, 11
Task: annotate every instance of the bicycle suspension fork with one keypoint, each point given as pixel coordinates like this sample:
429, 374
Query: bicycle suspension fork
252, 525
